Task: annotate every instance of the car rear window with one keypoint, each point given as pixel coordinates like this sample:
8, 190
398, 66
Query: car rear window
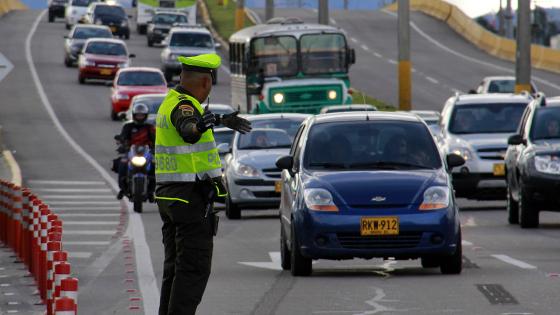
486, 118
140, 78
371, 145
109, 10
105, 48
89, 32
191, 40
169, 18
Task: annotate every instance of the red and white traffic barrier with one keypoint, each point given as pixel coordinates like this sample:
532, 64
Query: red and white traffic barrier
64, 306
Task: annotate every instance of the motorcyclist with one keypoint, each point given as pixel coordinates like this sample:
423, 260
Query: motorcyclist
139, 133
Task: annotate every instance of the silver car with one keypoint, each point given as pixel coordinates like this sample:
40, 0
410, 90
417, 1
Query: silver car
250, 171
477, 127
77, 37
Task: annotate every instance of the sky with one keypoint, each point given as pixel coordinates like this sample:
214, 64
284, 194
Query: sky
475, 8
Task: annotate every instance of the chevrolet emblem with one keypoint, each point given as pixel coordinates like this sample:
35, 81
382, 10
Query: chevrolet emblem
378, 198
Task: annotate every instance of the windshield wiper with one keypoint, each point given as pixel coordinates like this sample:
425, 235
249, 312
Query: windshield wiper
388, 165
328, 165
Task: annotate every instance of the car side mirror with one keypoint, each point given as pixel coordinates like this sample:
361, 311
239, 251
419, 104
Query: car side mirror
351, 56
516, 140
285, 162
224, 148
121, 115
66, 37
132, 56
454, 160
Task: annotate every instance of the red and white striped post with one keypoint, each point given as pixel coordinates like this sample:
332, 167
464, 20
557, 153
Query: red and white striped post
64, 306
53, 245
61, 271
25, 211
17, 219
36, 244
69, 288
9, 215
3, 212
43, 253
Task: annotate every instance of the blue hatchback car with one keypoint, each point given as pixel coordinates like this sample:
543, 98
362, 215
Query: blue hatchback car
365, 185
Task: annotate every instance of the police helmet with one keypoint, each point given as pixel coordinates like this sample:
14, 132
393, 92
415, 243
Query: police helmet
140, 112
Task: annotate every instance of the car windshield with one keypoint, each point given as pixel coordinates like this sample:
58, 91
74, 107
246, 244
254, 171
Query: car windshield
169, 18
387, 145
143, 78
275, 56
486, 118
290, 125
546, 124
191, 40
260, 139
109, 10
223, 136
82, 3
153, 103
106, 48
323, 53
89, 32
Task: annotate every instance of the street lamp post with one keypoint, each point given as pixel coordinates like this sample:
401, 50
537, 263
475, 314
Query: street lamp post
523, 50
405, 79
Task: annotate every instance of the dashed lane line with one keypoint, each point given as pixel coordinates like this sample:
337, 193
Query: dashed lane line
80, 255
47, 198
378, 55
392, 61
364, 47
72, 190
434, 81
87, 215
66, 223
86, 243
513, 261
82, 232
65, 182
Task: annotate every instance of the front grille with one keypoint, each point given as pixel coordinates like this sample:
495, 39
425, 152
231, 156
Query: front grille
253, 182
104, 65
492, 153
306, 96
272, 172
356, 241
380, 206
266, 194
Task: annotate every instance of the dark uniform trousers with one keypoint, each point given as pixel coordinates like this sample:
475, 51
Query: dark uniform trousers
188, 243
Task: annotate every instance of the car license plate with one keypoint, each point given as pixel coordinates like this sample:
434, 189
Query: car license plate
105, 71
499, 169
113, 29
278, 186
379, 226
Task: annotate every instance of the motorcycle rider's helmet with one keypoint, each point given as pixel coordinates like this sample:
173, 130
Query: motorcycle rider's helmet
140, 113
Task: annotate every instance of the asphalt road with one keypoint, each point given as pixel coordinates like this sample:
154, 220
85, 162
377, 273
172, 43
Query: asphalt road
507, 270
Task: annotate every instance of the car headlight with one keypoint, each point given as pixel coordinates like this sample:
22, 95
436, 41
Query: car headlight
319, 199
462, 152
138, 161
124, 23
86, 63
172, 57
547, 164
123, 65
246, 170
332, 94
120, 96
278, 98
435, 198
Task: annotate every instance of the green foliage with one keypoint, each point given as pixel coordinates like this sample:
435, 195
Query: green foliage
359, 97
223, 17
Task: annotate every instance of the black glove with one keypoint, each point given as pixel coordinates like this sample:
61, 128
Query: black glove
232, 121
207, 121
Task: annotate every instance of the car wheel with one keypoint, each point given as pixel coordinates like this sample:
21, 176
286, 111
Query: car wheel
430, 261
300, 265
127, 36
114, 115
81, 79
68, 26
67, 62
284, 251
51, 18
141, 29
150, 43
233, 212
453, 264
168, 75
512, 208
528, 215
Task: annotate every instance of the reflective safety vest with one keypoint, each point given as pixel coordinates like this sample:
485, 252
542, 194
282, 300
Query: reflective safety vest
176, 160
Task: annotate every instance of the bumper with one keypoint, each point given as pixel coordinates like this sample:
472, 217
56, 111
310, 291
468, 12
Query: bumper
476, 179
120, 105
253, 193
73, 19
119, 30
543, 189
98, 73
57, 10
327, 236
157, 37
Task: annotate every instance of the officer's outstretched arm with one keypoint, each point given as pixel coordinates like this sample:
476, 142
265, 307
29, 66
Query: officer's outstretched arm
185, 117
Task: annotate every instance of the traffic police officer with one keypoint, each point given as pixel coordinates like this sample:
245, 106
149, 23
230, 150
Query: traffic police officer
188, 175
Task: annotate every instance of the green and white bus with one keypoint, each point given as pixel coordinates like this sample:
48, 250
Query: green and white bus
289, 66
145, 9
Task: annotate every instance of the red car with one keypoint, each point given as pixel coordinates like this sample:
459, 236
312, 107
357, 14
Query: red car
101, 58
133, 81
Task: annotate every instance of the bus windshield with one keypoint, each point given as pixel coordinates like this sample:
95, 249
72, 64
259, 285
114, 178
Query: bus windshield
276, 55
323, 53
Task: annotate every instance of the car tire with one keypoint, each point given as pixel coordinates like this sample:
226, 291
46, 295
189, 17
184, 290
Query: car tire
68, 26
528, 215
430, 262
127, 36
453, 264
67, 62
114, 115
150, 43
233, 212
285, 254
51, 17
300, 266
141, 29
81, 80
512, 208
168, 74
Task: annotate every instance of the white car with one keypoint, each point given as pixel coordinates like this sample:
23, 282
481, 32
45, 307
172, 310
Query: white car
500, 84
75, 11
476, 127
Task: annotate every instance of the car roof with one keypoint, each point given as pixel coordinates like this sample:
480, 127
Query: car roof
163, 11
106, 4
132, 69
107, 40
278, 116
223, 129
499, 77
152, 95
473, 99
190, 29
91, 26
295, 29
368, 106
372, 115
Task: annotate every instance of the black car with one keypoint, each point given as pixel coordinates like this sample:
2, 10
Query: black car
532, 163
111, 15
56, 9
161, 23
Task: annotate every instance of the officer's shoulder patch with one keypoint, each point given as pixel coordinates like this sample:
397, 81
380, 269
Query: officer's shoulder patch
186, 110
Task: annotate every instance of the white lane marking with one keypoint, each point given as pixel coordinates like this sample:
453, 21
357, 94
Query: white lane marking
392, 61
65, 223
5, 66
78, 208
84, 255
364, 47
47, 198
13, 303
4, 285
87, 215
468, 58
515, 262
333, 21
85, 243
63, 182
9, 293
71, 190
54, 203
469, 222
434, 81
273, 264
12, 311
378, 55
353, 39
80, 232
466, 243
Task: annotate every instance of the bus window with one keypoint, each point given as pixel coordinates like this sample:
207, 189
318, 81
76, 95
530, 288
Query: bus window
275, 55
323, 53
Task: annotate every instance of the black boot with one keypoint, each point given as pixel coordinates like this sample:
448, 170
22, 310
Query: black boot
120, 195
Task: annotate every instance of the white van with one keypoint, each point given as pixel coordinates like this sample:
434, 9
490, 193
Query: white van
75, 10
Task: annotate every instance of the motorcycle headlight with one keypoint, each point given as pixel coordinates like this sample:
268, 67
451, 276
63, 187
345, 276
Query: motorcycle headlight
138, 161
463, 152
121, 97
123, 65
278, 98
246, 170
435, 198
319, 199
547, 164
332, 95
